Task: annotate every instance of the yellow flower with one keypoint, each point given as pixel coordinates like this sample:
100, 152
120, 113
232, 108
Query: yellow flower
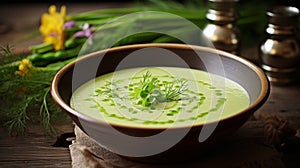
52, 27
24, 67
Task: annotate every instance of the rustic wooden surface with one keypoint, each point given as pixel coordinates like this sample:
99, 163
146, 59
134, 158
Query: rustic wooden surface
34, 149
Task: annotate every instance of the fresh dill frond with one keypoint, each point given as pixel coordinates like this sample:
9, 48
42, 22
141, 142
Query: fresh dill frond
146, 77
26, 99
152, 91
18, 116
174, 89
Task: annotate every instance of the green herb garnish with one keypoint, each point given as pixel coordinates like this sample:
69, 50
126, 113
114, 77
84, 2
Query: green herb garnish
153, 91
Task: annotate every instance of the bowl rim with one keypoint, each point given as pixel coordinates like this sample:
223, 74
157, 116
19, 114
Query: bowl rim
263, 96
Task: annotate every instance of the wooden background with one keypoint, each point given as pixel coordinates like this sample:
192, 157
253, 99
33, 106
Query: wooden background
34, 149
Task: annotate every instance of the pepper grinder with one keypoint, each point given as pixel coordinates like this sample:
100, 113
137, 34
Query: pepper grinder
222, 30
279, 53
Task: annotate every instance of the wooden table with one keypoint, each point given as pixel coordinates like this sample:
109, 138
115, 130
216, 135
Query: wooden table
34, 149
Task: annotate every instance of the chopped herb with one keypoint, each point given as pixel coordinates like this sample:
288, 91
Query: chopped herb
153, 91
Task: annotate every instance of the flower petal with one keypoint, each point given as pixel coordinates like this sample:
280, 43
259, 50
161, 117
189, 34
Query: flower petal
83, 33
69, 25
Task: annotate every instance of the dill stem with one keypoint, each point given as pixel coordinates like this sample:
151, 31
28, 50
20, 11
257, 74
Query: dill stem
44, 111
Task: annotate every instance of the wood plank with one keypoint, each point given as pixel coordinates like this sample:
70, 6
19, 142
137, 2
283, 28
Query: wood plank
284, 101
33, 149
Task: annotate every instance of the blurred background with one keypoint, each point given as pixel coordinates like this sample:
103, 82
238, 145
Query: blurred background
18, 20
285, 2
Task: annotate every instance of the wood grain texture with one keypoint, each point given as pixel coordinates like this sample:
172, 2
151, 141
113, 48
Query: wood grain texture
33, 149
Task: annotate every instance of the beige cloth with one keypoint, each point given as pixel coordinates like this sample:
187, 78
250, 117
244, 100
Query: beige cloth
248, 149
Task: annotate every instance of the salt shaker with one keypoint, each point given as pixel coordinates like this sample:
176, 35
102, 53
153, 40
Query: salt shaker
279, 53
222, 30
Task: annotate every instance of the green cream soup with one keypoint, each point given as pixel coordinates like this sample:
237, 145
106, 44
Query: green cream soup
159, 97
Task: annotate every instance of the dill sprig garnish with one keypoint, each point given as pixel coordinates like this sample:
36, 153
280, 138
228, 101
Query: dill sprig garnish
174, 89
152, 91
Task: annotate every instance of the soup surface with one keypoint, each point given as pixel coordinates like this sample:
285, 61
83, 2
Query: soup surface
159, 97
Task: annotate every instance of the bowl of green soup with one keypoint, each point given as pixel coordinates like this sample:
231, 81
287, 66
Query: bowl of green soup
160, 102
